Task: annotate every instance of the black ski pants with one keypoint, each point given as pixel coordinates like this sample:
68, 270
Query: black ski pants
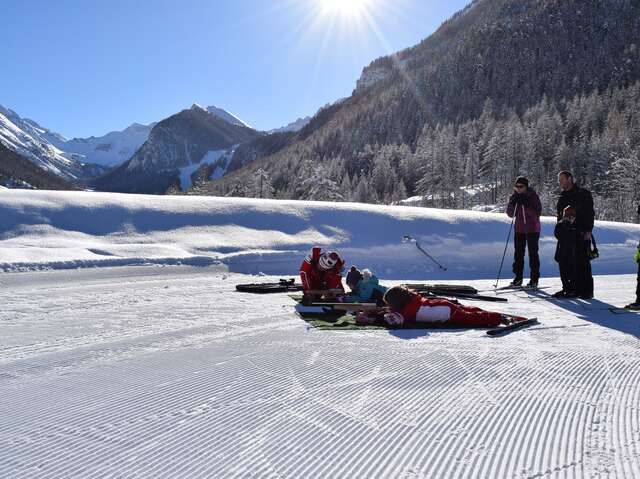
584, 278
522, 241
566, 257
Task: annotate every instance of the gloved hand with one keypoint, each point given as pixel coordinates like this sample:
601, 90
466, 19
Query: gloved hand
394, 319
522, 199
364, 318
636, 257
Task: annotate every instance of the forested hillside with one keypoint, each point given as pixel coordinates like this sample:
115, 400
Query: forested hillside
18, 172
505, 87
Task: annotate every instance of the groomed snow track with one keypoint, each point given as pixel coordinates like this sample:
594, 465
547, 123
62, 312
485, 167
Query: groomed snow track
167, 372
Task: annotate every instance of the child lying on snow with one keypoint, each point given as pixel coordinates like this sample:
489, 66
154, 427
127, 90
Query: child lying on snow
364, 287
408, 308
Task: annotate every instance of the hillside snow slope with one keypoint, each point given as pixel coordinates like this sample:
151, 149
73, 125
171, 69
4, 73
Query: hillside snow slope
42, 229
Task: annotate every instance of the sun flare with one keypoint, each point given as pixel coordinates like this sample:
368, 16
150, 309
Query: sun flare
345, 8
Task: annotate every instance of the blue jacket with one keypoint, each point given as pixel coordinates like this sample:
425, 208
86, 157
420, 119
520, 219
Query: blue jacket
367, 290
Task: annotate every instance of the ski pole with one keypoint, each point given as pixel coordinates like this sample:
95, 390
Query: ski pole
413, 240
505, 250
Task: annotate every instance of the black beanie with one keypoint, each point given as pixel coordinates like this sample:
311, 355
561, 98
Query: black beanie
522, 181
353, 276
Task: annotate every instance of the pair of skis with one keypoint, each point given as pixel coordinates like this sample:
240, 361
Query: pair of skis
510, 328
282, 286
451, 290
511, 289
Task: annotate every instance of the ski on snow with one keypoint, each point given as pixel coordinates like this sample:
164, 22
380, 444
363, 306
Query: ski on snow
625, 310
502, 330
526, 289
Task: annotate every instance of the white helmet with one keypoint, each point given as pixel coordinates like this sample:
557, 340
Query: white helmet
329, 260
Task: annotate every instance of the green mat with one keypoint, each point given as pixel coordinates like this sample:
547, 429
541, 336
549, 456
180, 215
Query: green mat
346, 323
339, 320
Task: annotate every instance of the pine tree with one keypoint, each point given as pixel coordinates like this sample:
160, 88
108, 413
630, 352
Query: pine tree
362, 193
239, 188
262, 187
623, 186
319, 187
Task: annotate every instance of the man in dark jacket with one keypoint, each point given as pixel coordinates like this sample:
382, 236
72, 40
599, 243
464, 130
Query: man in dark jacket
525, 205
581, 201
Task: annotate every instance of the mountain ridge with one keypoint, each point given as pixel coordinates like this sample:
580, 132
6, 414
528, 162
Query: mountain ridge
181, 140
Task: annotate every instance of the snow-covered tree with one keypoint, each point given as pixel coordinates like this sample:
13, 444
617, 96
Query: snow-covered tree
320, 187
262, 187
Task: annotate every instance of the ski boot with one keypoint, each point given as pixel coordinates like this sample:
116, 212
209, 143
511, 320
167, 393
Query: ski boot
562, 294
508, 320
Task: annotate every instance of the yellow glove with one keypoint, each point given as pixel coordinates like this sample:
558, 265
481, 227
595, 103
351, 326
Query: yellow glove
636, 257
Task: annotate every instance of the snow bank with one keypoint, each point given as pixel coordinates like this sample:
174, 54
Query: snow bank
40, 229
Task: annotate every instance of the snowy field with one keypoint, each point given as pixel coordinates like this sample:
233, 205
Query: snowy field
116, 361
58, 230
168, 372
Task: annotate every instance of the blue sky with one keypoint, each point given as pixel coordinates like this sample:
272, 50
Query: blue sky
84, 68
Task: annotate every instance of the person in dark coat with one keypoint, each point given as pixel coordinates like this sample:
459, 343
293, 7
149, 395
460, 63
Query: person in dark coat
524, 205
581, 201
567, 236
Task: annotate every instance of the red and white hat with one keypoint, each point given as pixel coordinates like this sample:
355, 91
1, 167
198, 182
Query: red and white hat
329, 260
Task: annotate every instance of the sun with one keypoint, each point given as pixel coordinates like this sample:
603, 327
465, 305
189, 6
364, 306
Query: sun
345, 8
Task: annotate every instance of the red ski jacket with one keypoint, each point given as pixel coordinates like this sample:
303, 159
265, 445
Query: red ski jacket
313, 277
421, 310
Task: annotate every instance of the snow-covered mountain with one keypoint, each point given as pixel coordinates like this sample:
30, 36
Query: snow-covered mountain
176, 145
296, 125
116, 147
301, 122
148, 158
35, 143
17, 171
225, 115
109, 150
78, 158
